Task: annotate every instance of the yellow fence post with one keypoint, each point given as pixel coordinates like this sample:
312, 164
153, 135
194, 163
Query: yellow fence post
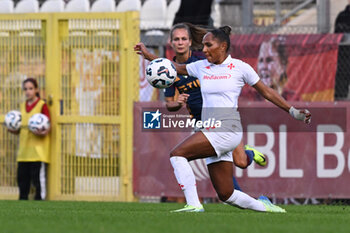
124, 175
133, 35
53, 90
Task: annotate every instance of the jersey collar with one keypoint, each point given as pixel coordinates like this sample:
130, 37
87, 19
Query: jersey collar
227, 60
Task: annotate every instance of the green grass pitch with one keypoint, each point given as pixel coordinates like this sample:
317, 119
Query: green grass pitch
96, 217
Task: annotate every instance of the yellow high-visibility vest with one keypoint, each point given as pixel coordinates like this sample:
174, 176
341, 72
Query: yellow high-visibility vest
32, 148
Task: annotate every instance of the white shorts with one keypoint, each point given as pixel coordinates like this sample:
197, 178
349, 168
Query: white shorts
224, 140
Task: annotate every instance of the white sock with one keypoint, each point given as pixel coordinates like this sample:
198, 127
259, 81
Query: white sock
186, 179
245, 201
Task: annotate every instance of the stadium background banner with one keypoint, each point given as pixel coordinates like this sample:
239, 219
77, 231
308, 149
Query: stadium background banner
312, 62
303, 160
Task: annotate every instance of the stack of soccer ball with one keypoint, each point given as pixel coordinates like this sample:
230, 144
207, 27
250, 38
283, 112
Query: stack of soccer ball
37, 122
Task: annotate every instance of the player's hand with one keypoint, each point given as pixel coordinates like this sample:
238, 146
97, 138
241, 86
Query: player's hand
182, 98
39, 132
301, 115
141, 49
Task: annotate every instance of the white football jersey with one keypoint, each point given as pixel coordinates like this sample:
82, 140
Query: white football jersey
221, 84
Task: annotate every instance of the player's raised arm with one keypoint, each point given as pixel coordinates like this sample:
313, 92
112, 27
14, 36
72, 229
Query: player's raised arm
274, 97
141, 49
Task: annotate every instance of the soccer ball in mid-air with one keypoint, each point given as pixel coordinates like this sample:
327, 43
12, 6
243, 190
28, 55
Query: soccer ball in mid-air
161, 73
13, 120
38, 122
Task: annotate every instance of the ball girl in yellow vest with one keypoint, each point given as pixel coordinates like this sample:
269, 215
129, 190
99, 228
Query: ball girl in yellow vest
33, 152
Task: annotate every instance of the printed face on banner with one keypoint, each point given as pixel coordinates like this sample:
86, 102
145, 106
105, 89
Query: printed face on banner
269, 65
299, 67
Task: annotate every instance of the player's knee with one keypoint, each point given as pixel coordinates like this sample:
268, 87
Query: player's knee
179, 153
224, 195
241, 163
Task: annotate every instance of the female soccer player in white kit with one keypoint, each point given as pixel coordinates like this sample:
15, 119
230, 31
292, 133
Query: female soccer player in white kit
222, 79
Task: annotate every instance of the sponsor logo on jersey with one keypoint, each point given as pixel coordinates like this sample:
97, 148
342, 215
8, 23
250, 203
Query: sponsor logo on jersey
216, 77
189, 86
